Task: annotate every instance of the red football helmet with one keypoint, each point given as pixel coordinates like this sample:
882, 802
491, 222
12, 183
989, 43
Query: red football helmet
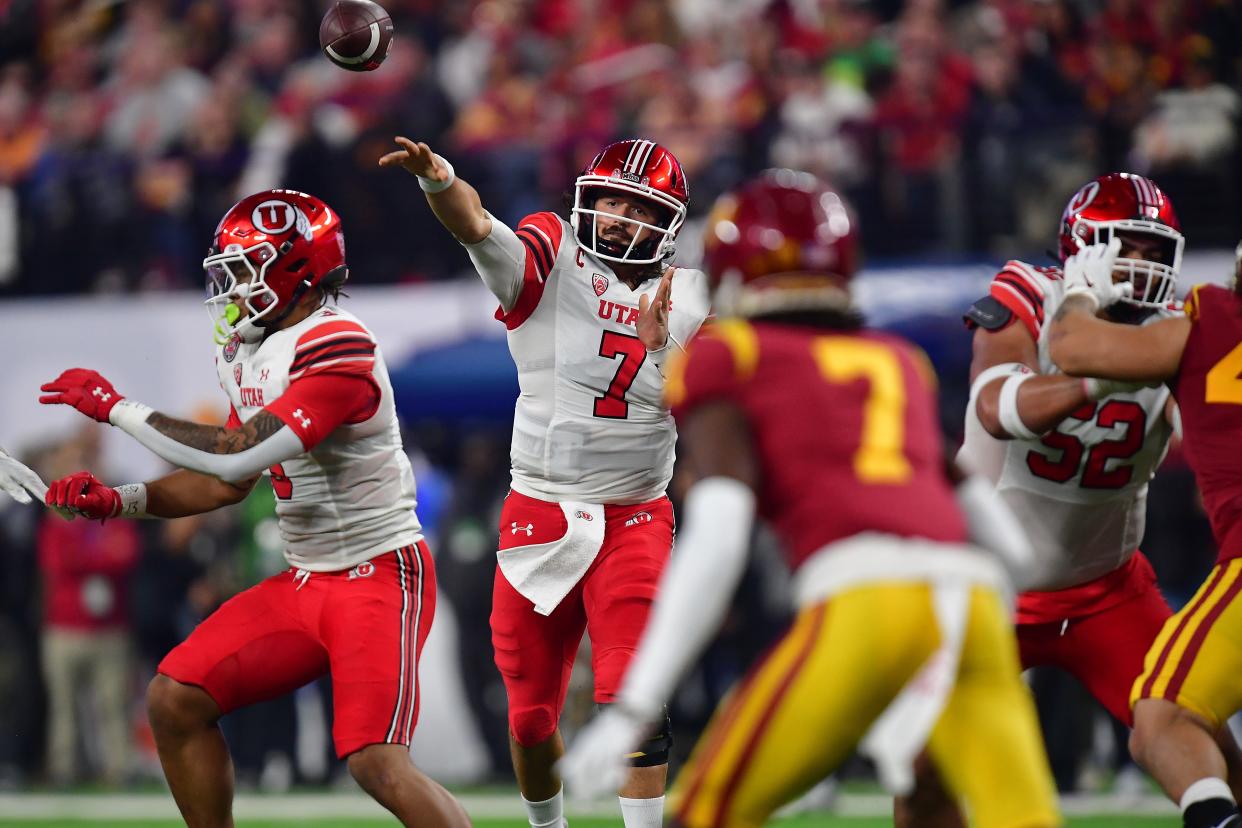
783, 241
1131, 204
268, 250
640, 168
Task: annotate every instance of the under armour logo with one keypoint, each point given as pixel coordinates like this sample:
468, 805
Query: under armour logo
528, 528
303, 421
103, 395
263, 375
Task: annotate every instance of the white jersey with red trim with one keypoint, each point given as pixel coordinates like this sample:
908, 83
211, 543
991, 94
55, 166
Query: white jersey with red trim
590, 423
1080, 491
351, 496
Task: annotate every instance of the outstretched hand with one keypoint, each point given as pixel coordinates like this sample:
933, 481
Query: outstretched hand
85, 390
416, 159
652, 324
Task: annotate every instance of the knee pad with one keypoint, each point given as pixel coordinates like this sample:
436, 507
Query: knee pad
654, 751
532, 725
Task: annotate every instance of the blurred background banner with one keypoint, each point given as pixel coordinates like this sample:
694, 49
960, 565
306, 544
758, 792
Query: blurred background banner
445, 351
957, 129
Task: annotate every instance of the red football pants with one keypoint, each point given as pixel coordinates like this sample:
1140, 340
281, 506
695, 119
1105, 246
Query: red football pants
366, 626
535, 653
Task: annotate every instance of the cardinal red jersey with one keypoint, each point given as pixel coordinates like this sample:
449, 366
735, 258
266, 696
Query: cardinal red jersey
845, 426
1208, 389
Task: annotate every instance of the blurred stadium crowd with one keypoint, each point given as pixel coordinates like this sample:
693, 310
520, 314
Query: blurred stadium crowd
957, 129
128, 128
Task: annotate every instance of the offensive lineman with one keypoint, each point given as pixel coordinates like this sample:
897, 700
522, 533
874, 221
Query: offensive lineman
1071, 456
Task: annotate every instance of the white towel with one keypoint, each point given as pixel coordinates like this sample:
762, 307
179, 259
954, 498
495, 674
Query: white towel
901, 732
546, 572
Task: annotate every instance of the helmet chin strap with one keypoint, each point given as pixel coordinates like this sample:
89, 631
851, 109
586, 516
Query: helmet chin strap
269, 324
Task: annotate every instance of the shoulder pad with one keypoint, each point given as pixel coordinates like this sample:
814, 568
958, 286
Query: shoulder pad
987, 313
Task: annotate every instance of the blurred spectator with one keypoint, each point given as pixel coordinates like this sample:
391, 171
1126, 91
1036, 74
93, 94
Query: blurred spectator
927, 113
1189, 143
86, 569
919, 119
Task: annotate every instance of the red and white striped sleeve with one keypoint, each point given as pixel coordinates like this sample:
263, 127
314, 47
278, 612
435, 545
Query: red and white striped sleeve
338, 346
1020, 288
540, 235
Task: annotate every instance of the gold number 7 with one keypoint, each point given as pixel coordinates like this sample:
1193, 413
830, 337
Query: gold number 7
880, 458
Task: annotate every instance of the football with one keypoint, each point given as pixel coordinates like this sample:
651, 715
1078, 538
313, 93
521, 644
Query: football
356, 34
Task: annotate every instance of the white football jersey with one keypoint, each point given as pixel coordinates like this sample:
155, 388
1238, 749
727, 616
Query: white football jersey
350, 497
1080, 491
590, 422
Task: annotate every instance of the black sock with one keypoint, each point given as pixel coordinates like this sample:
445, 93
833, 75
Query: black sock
1210, 813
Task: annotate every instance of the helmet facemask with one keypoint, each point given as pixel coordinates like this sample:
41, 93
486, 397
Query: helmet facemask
656, 245
232, 276
1154, 281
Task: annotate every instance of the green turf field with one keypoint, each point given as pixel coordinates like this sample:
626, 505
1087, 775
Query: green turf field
808, 821
858, 806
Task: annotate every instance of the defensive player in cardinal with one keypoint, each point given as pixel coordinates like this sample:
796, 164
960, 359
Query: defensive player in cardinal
310, 405
1073, 457
1189, 684
593, 309
901, 637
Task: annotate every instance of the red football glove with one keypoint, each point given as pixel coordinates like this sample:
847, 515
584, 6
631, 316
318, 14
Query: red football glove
85, 390
83, 494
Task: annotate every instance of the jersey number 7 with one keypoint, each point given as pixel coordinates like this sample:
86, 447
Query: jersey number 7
611, 404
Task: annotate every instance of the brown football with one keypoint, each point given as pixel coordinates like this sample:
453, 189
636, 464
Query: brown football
356, 34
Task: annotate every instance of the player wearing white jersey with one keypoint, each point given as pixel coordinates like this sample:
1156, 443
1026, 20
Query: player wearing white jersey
311, 404
587, 528
1073, 457
1079, 488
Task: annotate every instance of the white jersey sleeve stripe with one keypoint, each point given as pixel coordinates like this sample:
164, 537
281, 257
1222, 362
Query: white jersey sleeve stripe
1018, 295
1027, 274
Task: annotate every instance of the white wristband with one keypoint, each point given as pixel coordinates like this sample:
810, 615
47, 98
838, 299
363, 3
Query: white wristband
129, 412
659, 356
430, 185
133, 500
1007, 412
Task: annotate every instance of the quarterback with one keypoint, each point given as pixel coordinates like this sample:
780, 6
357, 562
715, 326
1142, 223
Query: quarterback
593, 310
310, 405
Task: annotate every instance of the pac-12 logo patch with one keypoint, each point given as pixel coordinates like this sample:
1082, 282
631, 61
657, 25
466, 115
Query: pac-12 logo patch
230, 348
600, 282
237, 372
